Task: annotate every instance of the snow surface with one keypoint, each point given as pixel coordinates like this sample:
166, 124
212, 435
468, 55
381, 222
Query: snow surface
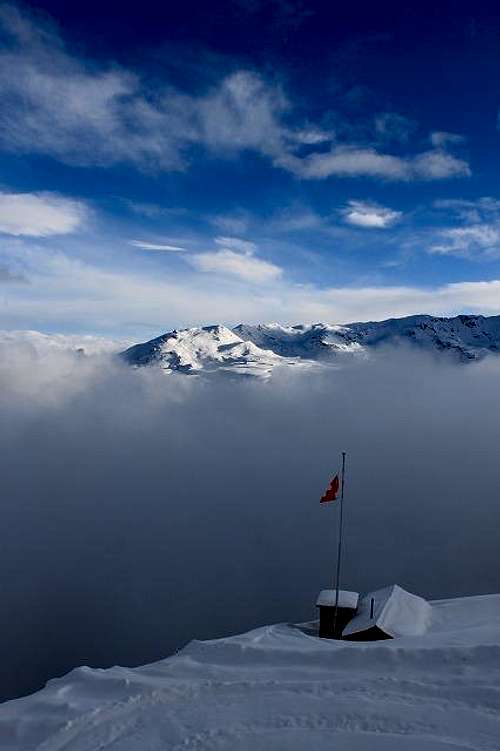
395, 611
281, 688
257, 350
209, 348
346, 599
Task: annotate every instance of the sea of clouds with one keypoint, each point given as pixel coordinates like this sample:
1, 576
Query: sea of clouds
141, 510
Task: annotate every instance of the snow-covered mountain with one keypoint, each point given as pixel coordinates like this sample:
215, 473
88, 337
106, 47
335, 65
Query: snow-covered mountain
258, 349
282, 688
208, 349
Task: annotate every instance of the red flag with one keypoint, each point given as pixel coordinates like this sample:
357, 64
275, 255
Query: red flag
331, 493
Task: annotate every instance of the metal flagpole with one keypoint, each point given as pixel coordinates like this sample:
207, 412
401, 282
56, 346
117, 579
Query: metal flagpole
339, 549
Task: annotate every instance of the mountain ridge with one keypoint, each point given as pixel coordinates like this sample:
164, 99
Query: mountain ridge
256, 349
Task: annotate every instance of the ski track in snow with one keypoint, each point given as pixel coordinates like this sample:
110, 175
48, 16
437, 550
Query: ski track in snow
279, 688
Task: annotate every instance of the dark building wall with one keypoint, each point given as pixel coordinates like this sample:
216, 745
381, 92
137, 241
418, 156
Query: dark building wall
328, 628
374, 633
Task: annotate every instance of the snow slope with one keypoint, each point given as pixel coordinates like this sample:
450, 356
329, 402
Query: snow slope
209, 348
468, 337
281, 688
257, 350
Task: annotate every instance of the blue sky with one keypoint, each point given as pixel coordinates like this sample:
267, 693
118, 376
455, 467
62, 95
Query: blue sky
251, 160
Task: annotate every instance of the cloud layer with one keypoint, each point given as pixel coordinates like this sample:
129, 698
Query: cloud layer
140, 511
69, 294
85, 113
39, 214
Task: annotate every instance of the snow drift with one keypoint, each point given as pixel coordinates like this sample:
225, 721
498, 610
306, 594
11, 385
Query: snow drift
391, 611
278, 688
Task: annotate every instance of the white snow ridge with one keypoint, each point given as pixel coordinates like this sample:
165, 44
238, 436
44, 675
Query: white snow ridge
208, 349
278, 688
257, 350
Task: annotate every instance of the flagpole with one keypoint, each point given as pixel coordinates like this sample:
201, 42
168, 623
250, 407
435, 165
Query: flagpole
339, 548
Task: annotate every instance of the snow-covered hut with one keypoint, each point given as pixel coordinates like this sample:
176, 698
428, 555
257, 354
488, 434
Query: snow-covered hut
331, 627
388, 613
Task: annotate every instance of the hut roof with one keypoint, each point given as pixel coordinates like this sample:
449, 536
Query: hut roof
395, 612
346, 599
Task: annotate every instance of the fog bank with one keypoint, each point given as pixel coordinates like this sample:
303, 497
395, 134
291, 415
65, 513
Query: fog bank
141, 510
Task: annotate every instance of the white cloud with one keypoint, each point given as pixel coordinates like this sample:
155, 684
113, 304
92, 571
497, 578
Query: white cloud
438, 165
236, 258
469, 241
242, 112
296, 218
310, 136
238, 222
441, 138
369, 215
376, 303
153, 210
75, 296
351, 161
347, 161
235, 243
83, 113
156, 246
39, 214
471, 211
243, 266
74, 110
86, 113
477, 236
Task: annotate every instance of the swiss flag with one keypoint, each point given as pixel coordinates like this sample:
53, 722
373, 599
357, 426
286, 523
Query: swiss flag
331, 493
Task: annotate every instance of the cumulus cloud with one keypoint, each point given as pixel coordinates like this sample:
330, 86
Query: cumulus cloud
39, 214
236, 258
86, 113
144, 245
241, 265
150, 499
369, 215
